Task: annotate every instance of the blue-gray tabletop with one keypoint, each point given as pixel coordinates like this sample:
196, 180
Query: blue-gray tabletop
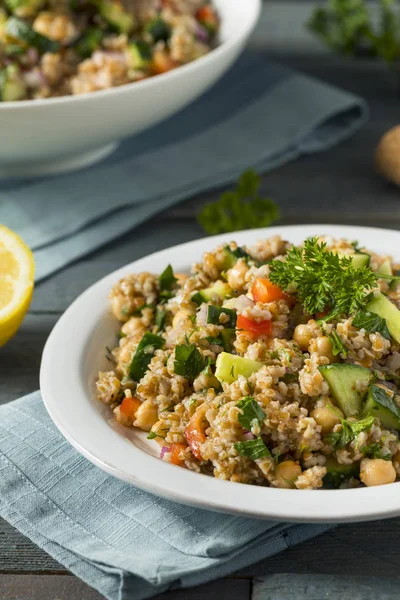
337, 186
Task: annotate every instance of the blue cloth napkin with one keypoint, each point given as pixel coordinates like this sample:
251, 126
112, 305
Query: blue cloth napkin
259, 115
125, 543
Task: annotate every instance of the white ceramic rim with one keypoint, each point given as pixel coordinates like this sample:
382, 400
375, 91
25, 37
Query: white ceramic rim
62, 385
151, 81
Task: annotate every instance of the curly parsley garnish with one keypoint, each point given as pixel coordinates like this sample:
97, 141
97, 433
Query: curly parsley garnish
322, 279
242, 208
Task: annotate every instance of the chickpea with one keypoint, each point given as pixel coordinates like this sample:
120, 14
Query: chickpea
303, 335
327, 417
376, 471
236, 275
323, 347
286, 474
146, 416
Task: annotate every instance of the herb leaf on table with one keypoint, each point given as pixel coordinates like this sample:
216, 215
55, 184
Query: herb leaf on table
242, 208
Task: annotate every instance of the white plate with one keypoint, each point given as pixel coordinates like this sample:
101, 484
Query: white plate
75, 352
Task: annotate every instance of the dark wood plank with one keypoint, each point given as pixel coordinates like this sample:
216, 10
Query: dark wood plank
64, 587
20, 358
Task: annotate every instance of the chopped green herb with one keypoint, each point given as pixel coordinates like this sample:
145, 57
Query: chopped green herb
197, 298
232, 256
152, 435
337, 344
161, 315
225, 339
143, 355
214, 313
121, 334
251, 412
253, 449
349, 431
323, 279
242, 208
385, 400
167, 281
188, 361
371, 323
375, 451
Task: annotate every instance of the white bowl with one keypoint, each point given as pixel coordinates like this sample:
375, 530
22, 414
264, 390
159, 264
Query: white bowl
59, 134
75, 352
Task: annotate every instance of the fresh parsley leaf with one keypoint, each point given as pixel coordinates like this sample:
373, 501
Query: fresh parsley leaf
167, 281
143, 355
214, 313
251, 411
161, 316
375, 451
347, 27
323, 279
349, 431
242, 208
253, 449
385, 400
337, 344
152, 435
188, 361
371, 323
225, 339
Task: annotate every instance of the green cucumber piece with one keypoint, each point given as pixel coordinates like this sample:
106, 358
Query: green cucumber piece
385, 269
12, 87
220, 289
382, 306
381, 405
232, 256
140, 55
229, 367
115, 14
19, 30
342, 381
360, 259
336, 473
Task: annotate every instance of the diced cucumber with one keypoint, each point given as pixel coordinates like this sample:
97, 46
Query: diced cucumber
385, 269
220, 289
24, 8
232, 256
214, 313
159, 30
381, 405
360, 259
89, 41
17, 29
229, 367
115, 14
342, 381
336, 473
12, 87
139, 55
382, 306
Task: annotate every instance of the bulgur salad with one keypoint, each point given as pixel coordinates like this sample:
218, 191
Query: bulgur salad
272, 365
61, 47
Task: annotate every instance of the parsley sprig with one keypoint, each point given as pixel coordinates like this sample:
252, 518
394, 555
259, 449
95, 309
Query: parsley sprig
323, 280
242, 208
349, 431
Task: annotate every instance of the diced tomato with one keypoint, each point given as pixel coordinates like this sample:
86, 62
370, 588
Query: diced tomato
129, 407
208, 17
254, 328
162, 62
195, 431
321, 315
175, 453
265, 291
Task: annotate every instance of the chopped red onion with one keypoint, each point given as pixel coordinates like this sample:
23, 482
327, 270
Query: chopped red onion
164, 451
201, 317
201, 33
248, 436
242, 302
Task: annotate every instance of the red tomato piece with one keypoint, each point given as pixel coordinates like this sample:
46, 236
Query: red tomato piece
256, 329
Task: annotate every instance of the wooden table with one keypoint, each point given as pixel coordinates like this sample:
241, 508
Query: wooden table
337, 186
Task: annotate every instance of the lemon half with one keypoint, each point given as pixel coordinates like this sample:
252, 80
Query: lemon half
17, 270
